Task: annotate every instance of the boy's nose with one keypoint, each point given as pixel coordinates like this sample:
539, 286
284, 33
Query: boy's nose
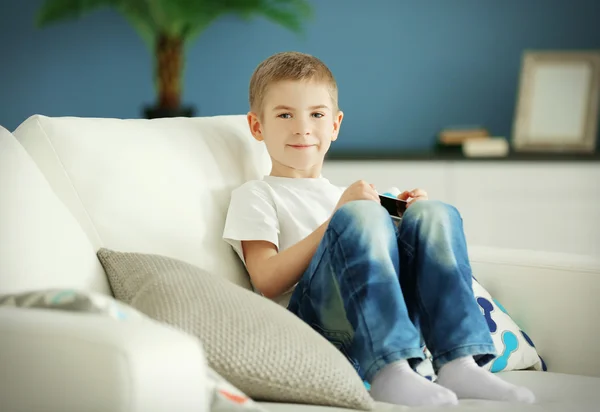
302, 128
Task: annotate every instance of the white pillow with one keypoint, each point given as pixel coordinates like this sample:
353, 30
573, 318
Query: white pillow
43, 246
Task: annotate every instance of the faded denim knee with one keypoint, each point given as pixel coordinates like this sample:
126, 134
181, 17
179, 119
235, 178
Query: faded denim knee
431, 211
362, 216
364, 228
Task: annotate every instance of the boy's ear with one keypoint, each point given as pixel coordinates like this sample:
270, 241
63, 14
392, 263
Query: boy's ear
337, 122
255, 127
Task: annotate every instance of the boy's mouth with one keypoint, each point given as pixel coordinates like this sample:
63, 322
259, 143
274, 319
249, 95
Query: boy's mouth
301, 146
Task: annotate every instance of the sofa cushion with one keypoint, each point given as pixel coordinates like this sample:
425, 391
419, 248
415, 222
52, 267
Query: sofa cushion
559, 391
43, 245
257, 345
159, 186
555, 392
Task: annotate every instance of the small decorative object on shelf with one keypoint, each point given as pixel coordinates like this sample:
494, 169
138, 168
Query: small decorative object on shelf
471, 141
168, 26
492, 147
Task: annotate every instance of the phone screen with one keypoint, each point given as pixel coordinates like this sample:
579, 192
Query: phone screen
395, 207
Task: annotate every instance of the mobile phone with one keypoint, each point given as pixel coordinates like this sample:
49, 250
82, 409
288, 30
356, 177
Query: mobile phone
395, 207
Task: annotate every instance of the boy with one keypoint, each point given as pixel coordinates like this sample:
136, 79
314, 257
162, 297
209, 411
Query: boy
335, 259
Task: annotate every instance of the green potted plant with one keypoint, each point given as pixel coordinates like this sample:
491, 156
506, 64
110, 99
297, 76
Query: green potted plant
168, 26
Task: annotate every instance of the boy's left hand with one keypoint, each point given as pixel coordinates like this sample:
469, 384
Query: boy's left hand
412, 196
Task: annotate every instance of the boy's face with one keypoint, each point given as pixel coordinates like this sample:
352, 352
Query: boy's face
297, 124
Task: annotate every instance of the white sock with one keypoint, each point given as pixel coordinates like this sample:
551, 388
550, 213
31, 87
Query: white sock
397, 383
469, 380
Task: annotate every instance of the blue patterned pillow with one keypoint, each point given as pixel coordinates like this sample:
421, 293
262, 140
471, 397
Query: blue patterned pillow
515, 348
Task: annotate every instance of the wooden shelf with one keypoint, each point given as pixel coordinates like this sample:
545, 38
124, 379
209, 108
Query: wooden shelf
341, 155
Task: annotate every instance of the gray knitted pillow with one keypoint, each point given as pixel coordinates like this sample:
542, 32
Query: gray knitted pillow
257, 345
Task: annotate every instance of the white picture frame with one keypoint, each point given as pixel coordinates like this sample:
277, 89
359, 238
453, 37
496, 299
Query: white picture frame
558, 102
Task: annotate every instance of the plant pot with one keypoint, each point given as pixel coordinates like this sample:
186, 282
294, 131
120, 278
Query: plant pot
154, 112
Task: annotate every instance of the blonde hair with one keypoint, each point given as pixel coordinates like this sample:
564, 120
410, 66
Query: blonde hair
289, 66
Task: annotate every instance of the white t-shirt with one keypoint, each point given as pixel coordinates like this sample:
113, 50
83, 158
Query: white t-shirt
279, 210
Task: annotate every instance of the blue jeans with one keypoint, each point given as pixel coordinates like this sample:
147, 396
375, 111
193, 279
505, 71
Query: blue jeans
375, 290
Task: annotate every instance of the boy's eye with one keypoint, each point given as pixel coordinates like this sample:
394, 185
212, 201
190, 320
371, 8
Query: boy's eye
285, 115
318, 115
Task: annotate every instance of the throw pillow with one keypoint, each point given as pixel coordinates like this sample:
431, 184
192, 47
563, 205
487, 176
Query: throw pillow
516, 350
257, 345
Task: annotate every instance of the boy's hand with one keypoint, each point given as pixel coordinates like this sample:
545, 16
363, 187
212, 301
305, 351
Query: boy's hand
412, 196
359, 190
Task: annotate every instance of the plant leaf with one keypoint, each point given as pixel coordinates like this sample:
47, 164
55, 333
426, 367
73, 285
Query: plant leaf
138, 14
179, 18
53, 11
287, 13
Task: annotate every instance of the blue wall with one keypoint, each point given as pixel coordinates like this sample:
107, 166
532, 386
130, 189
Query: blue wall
404, 68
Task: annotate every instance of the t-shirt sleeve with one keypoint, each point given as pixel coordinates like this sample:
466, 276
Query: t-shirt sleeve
251, 216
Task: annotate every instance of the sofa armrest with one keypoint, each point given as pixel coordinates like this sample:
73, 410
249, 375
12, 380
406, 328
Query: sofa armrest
66, 361
553, 297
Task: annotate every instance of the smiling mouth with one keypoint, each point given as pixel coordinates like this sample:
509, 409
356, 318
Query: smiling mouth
301, 146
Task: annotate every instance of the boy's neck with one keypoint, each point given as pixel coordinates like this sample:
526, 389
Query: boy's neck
278, 170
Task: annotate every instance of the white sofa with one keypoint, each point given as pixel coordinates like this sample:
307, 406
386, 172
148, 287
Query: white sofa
69, 186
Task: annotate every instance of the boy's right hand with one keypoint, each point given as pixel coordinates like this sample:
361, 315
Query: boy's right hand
359, 190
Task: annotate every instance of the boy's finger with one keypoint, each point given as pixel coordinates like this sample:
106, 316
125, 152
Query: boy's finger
418, 193
404, 195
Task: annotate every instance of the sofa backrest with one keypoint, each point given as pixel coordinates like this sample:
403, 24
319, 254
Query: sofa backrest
151, 186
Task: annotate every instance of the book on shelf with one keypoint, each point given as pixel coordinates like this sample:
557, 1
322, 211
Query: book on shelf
456, 136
